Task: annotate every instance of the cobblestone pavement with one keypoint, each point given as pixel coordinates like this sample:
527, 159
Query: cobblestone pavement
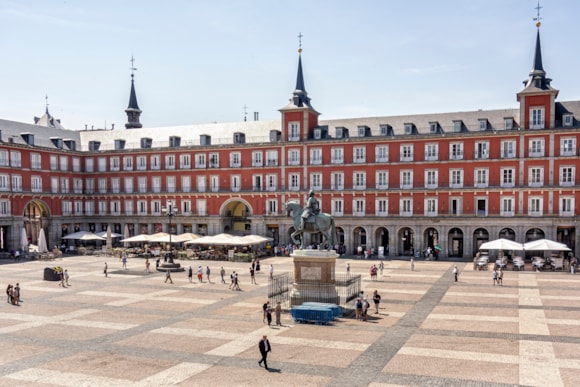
133, 329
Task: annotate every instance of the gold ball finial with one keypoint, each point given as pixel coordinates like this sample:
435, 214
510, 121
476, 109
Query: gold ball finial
538, 24
300, 50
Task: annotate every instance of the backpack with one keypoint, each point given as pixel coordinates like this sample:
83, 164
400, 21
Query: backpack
359, 304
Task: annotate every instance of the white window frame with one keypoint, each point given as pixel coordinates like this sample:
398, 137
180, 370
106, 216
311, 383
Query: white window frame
406, 152
382, 179
358, 207
406, 179
568, 146
535, 206
431, 152
294, 131
381, 207
536, 176
316, 156
567, 175
430, 206
431, 178
456, 178
507, 206
406, 207
337, 207
337, 181
507, 177
337, 155
359, 155
537, 117
382, 154
536, 147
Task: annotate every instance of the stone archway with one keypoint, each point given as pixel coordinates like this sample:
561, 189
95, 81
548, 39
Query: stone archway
36, 216
236, 213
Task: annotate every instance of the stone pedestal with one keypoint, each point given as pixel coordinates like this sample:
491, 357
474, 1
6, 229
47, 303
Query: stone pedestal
314, 279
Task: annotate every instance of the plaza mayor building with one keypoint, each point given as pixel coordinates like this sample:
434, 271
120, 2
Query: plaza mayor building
397, 184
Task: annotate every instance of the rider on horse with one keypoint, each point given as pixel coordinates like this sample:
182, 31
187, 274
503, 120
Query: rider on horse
311, 208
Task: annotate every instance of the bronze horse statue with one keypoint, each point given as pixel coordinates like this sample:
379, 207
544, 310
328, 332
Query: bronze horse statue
322, 223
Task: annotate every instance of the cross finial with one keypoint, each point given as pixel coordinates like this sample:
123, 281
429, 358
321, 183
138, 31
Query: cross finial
132, 68
538, 18
300, 36
245, 112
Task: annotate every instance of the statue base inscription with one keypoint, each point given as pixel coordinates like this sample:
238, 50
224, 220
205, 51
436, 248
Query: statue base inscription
314, 279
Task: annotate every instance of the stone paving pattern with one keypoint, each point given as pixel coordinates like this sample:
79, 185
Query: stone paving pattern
132, 329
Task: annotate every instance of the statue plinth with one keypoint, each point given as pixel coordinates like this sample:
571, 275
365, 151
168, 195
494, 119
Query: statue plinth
314, 279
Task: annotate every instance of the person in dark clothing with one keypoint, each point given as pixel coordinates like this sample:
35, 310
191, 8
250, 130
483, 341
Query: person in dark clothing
264, 347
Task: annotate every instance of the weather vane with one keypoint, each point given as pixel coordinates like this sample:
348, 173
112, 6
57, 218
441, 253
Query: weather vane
46, 102
300, 36
538, 18
132, 68
245, 112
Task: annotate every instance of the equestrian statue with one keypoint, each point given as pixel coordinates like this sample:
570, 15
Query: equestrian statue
309, 220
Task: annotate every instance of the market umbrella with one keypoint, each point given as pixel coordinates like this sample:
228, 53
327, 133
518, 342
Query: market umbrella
103, 234
137, 238
545, 245
42, 245
126, 235
23, 240
84, 236
255, 239
220, 239
109, 239
501, 244
187, 236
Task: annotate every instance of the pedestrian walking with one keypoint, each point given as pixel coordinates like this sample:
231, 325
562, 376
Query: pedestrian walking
264, 347
455, 272
494, 276
232, 277
147, 264
61, 283
9, 294
265, 307
358, 307
106, 269
222, 274
168, 276
365, 310
236, 282
200, 274
376, 300
278, 312
573, 263
253, 275
190, 274
269, 316
347, 268
412, 264
257, 266
16, 294
157, 262
381, 267
66, 277
207, 273
500, 277
271, 270
124, 260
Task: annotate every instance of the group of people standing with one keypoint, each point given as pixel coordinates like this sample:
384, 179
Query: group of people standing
267, 309
13, 294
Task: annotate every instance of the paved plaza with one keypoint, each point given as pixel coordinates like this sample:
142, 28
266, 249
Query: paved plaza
132, 329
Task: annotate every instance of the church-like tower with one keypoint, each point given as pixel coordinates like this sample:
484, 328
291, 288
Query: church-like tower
299, 117
537, 99
133, 111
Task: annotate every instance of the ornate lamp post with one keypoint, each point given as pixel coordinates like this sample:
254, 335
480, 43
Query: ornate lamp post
170, 211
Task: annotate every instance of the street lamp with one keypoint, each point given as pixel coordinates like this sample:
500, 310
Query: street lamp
170, 211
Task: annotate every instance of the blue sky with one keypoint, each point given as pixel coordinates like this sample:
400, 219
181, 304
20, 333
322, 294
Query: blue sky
202, 61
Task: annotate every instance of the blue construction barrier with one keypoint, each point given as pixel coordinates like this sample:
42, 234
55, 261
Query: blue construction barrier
336, 309
315, 314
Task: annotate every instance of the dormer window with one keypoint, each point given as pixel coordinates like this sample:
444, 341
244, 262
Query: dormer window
70, 144
57, 142
386, 130
457, 126
341, 132
28, 138
239, 138
94, 146
294, 131
364, 131
146, 142
408, 128
568, 120
317, 133
483, 124
508, 123
119, 144
433, 126
174, 141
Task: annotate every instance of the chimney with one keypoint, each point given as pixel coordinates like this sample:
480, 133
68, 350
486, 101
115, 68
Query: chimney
256, 114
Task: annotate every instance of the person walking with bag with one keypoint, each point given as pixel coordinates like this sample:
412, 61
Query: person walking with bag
455, 272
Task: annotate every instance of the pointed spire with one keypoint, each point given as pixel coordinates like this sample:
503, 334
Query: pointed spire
300, 97
538, 55
133, 111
